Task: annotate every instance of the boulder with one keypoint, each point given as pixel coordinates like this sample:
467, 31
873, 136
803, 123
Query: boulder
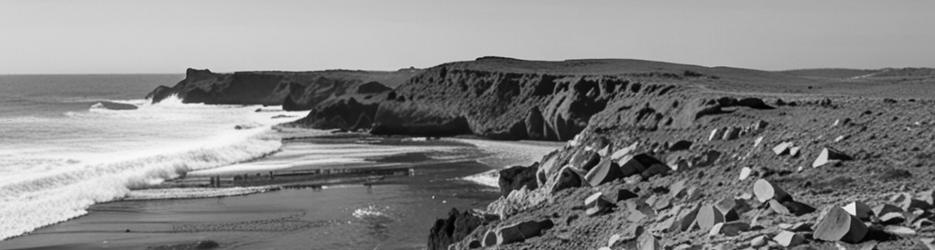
647, 241
521, 231
794, 151
517, 177
733, 228
585, 160
567, 178
621, 195
596, 204
859, 209
830, 156
899, 230
838, 225
639, 163
731, 133
605, 171
889, 214
789, 239
759, 241
708, 216
745, 173
452, 229
716, 134
908, 202
782, 148
760, 125
927, 197
790, 207
680, 145
732, 208
620, 153
686, 218
764, 191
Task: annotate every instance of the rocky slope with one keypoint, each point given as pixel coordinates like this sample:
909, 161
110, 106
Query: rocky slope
503, 98
293, 90
711, 162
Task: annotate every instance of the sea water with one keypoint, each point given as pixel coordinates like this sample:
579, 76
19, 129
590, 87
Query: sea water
62, 148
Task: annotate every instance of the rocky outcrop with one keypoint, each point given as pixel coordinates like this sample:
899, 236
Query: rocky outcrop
293, 90
452, 229
517, 177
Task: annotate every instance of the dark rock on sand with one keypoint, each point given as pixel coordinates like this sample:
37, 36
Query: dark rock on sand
517, 177
453, 229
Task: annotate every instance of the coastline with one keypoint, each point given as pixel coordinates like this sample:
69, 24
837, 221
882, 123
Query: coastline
102, 226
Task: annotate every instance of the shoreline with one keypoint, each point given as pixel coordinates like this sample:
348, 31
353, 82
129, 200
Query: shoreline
498, 152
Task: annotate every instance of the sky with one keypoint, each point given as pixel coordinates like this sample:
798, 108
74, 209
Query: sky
167, 36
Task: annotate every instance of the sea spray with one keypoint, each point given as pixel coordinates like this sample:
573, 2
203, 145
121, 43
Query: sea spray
30, 204
54, 167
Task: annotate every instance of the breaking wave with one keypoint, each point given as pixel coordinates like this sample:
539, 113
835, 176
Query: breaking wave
112, 152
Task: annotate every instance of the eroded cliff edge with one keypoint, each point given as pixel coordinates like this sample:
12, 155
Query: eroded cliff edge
293, 90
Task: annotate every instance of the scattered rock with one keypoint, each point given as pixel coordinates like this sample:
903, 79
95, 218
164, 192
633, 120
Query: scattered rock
789, 239
908, 202
620, 153
759, 241
517, 177
716, 134
648, 242
519, 231
745, 173
782, 148
731, 133
642, 164
567, 178
605, 171
585, 160
899, 230
794, 151
764, 191
708, 216
733, 228
829, 156
889, 214
596, 204
838, 225
680, 145
859, 209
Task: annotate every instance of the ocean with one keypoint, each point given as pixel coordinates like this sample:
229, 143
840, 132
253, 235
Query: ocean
73, 145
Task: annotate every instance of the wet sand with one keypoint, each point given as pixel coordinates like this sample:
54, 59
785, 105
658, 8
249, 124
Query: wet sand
394, 213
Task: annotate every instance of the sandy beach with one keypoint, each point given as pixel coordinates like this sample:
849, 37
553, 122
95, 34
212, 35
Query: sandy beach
393, 213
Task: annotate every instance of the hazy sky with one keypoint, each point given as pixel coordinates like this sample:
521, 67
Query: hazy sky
128, 36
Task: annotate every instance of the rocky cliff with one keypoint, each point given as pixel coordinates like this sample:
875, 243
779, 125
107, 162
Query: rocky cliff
728, 159
503, 98
293, 90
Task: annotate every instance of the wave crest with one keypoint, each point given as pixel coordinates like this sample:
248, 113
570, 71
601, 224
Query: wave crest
57, 196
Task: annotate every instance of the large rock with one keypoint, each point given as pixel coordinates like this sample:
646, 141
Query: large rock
519, 231
568, 177
838, 225
605, 171
789, 239
708, 216
642, 164
859, 209
452, 229
764, 191
517, 177
585, 159
829, 156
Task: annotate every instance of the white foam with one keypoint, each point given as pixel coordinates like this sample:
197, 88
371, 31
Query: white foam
188, 193
67, 164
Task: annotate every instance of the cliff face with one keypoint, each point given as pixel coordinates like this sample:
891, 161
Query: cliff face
293, 90
503, 98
